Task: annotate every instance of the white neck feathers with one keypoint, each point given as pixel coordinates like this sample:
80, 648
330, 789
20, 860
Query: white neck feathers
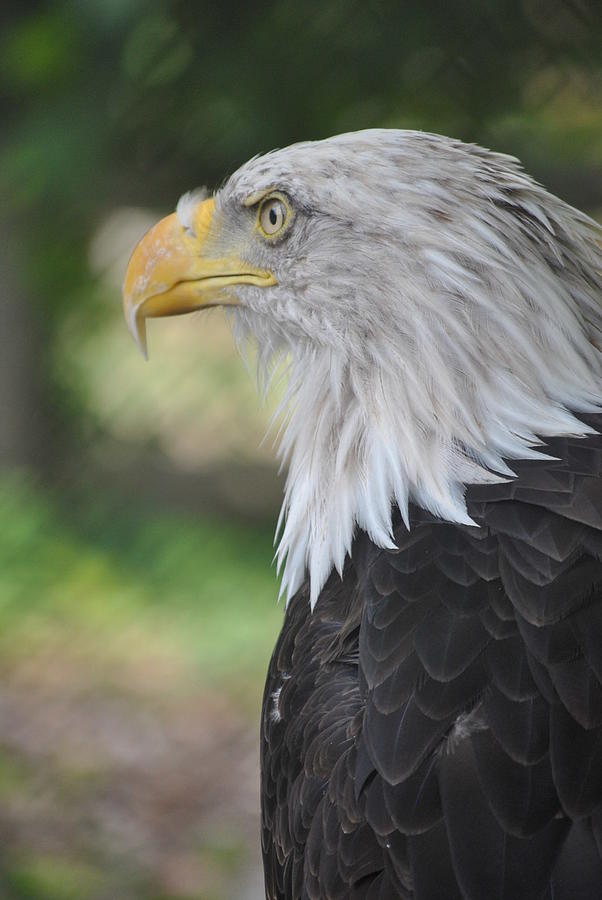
359, 442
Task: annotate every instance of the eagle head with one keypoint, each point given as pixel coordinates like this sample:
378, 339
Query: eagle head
439, 309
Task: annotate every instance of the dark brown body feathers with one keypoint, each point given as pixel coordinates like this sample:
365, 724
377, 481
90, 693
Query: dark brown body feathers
433, 730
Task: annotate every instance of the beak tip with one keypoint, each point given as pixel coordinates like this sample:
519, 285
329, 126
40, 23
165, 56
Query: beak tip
141, 342
137, 326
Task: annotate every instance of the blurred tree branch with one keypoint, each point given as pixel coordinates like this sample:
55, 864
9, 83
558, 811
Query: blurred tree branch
24, 437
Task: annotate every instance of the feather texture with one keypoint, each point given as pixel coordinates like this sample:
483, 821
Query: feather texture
432, 722
430, 748
441, 315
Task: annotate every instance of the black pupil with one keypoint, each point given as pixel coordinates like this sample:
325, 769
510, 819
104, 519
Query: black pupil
273, 216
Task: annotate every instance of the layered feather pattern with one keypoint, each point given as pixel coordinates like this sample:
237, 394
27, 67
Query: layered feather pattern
438, 730
441, 314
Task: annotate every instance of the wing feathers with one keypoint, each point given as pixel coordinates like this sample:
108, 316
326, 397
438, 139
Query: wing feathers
438, 730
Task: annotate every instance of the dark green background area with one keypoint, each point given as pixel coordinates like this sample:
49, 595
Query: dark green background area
137, 596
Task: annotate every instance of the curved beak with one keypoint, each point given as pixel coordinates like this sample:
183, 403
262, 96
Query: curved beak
171, 273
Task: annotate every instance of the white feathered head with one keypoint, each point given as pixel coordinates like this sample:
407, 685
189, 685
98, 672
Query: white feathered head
441, 311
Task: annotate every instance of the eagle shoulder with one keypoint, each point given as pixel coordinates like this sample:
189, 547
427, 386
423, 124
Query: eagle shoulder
438, 731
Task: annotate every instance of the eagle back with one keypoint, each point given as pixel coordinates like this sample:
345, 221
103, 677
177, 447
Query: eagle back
433, 730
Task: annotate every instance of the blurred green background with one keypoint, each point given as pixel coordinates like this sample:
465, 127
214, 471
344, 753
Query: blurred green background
137, 502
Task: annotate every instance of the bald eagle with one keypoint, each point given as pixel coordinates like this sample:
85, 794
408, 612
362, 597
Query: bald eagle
432, 719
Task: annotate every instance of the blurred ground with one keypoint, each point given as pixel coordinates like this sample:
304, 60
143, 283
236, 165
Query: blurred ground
128, 701
124, 790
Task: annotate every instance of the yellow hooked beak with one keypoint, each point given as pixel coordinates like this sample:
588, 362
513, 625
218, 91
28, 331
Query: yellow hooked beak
171, 273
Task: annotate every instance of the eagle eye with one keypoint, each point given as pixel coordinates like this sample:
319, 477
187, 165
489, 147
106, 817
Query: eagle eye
273, 216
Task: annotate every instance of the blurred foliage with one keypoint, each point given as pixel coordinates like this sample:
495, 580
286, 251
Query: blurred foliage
132, 653
82, 566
